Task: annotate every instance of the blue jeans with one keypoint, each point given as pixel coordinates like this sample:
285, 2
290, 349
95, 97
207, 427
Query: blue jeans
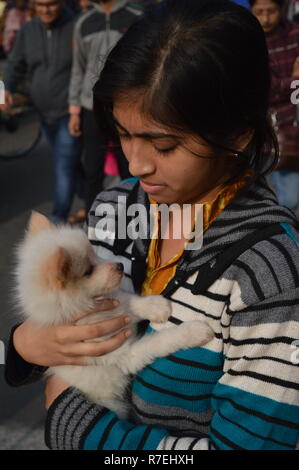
286, 185
66, 151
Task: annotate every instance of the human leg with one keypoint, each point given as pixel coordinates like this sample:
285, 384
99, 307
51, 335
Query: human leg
67, 151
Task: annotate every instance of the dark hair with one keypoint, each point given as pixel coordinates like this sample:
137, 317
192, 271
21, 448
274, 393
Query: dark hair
280, 3
200, 66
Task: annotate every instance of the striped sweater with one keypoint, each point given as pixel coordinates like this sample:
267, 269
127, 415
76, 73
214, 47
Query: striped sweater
241, 391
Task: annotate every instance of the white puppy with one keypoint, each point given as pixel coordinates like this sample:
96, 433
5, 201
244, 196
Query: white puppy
58, 275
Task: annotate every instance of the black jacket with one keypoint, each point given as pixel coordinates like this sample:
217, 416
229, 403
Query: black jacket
46, 54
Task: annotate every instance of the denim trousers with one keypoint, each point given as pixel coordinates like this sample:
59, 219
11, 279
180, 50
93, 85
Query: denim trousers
68, 176
286, 185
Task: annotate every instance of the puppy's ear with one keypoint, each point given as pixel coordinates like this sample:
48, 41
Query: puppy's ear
38, 222
58, 268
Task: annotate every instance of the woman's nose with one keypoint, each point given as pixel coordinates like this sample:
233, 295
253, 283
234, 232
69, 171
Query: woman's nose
140, 160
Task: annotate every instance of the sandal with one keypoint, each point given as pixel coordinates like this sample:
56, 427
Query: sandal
78, 218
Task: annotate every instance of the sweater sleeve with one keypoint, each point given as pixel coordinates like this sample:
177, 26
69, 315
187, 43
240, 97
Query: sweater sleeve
78, 68
18, 371
255, 402
16, 66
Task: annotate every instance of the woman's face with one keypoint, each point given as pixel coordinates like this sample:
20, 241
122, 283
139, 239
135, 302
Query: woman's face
163, 160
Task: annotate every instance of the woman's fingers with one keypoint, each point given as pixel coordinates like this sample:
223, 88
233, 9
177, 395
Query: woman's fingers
77, 351
97, 330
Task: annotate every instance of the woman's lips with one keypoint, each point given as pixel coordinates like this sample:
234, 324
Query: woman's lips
151, 188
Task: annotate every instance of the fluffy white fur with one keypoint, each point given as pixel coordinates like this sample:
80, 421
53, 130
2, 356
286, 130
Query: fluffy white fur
58, 275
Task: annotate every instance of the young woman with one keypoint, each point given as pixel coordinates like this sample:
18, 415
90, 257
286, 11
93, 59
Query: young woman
186, 91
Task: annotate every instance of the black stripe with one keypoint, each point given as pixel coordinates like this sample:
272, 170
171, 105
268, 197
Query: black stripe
190, 307
51, 413
265, 378
265, 306
91, 425
144, 438
175, 443
125, 437
269, 358
269, 267
225, 440
193, 443
221, 238
106, 433
64, 429
288, 258
108, 247
250, 273
174, 320
199, 365
258, 414
66, 424
180, 380
171, 393
159, 417
277, 339
254, 434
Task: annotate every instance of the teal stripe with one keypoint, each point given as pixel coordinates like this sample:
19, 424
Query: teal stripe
164, 399
95, 435
289, 231
263, 406
131, 180
116, 435
134, 437
185, 388
244, 439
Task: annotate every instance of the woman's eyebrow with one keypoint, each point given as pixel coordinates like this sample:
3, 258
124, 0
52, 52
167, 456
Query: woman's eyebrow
145, 135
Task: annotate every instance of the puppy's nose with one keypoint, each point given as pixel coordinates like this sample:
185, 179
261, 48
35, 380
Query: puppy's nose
120, 267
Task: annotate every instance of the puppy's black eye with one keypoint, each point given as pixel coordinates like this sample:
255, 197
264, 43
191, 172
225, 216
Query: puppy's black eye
89, 271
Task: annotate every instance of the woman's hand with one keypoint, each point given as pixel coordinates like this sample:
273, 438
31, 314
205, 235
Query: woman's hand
54, 387
64, 344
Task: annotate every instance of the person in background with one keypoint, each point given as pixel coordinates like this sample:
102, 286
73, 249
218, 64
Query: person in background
43, 49
96, 33
283, 46
15, 18
85, 5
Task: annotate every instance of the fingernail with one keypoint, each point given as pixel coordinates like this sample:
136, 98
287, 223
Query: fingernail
127, 320
115, 303
128, 333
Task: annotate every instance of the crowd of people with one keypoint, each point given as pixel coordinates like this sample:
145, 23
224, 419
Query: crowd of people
73, 38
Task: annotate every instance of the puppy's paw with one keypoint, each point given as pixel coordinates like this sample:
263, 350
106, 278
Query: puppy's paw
160, 308
196, 333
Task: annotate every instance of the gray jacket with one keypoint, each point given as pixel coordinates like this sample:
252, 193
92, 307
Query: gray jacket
96, 33
46, 55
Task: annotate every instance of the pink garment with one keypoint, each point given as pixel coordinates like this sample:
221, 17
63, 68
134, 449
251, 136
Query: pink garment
110, 166
14, 21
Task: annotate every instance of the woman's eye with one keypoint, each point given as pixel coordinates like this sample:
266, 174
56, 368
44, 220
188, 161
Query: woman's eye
124, 136
166, 151
89, 271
